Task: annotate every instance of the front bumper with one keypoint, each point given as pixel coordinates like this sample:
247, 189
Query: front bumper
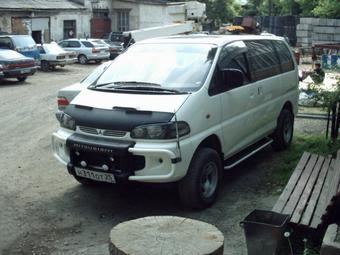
161, 162
62, 61
19, 72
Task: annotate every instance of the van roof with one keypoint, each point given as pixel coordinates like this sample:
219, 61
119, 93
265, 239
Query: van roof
209, 39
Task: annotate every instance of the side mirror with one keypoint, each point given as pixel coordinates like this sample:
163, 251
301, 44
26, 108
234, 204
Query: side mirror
232, 78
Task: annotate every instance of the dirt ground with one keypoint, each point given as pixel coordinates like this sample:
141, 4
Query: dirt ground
44, 211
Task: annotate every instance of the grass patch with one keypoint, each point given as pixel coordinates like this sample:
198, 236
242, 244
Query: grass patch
288, 159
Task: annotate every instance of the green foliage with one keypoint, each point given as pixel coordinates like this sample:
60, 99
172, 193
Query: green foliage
327, 9
317, 8
326, 98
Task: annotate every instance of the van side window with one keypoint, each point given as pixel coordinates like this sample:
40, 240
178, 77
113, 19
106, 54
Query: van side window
263, 60
286, 61
232, 69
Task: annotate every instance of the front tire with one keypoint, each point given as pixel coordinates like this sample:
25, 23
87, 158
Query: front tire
21, 79
44, 66
283, 134
199, 188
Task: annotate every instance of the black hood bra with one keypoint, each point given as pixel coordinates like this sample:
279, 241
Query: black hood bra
119, 118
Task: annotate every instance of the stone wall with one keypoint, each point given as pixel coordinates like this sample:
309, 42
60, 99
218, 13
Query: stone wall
313, 31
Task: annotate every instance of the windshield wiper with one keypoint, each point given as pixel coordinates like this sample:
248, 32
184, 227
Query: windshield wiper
123, 83
136, 86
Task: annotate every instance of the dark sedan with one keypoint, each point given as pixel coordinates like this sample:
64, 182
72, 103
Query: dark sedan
15, 65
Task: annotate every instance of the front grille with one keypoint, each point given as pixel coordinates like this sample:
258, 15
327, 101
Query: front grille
102, 132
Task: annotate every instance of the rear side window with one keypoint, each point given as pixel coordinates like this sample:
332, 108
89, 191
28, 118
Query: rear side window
87, 44
263, 60
73, 44
287, 63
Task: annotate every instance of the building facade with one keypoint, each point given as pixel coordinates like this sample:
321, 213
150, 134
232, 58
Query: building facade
48, 20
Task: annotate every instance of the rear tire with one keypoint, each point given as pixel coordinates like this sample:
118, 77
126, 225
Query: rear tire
199, 188
21, 79
82, 59
283, 135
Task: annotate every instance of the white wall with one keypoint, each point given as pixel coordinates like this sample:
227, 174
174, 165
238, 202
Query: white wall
134, 14
153, 15
82, 24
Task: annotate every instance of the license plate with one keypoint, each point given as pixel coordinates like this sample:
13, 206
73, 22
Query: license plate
93, 175
24, 71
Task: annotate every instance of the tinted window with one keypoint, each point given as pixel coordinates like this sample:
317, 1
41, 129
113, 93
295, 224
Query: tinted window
73, 44
285, 57
41, 50
239, 63
5, 43
63, 44
263, 60
232, 56
87, 44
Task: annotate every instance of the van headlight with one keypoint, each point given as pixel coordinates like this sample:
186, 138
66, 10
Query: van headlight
66, 121
161, 130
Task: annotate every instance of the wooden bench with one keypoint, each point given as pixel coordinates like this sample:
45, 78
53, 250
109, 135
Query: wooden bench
312, 192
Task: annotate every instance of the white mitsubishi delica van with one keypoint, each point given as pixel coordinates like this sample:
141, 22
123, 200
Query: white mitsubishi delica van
181, 109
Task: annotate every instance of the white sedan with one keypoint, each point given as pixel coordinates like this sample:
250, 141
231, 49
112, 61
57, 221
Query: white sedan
52, 55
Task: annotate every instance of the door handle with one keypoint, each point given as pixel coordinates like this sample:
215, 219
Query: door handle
259, 90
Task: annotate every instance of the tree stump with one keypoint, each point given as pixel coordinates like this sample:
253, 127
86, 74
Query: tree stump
169, 235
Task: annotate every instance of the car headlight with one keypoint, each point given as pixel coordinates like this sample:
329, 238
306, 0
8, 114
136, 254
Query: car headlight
161, 130
65, 120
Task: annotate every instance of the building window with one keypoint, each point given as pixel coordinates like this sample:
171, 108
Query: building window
123, 20
70, 29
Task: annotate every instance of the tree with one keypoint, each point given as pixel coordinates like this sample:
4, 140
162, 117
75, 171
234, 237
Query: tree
327, 9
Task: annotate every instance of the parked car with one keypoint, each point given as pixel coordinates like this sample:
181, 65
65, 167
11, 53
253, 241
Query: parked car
181, 109
66, 95
52, 55
86, 50
24, 44
15, 65
115, 48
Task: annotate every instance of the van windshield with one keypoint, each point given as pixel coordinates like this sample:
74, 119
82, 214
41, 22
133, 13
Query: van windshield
23, 41
180, 67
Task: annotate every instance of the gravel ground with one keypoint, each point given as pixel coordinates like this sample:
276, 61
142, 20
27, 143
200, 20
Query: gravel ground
44, 211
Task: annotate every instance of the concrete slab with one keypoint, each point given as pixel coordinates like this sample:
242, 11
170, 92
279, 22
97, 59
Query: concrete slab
304, 27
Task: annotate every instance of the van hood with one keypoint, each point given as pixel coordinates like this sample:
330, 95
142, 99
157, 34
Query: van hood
140, 102
120, 111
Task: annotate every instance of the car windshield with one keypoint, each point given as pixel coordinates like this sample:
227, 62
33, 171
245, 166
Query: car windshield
23, 41
53, 48
181, 67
